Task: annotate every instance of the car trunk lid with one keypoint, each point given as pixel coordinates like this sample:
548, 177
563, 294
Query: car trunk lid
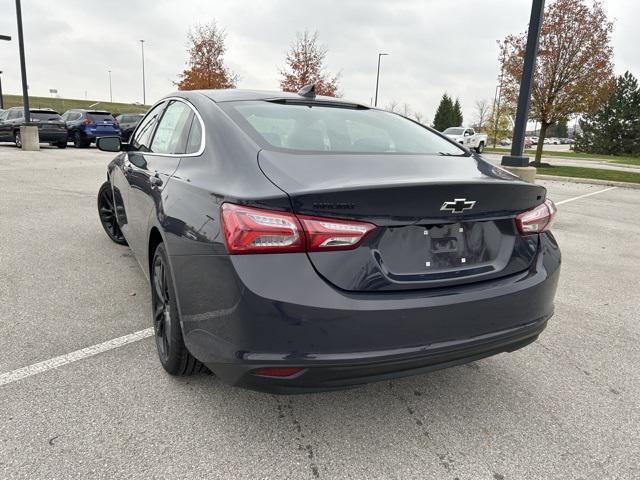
442, 220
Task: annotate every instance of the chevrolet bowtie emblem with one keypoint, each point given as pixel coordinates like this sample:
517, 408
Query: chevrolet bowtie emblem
458, 205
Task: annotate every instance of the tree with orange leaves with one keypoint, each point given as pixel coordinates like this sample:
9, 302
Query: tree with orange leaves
305, 61
574, 70
206, 68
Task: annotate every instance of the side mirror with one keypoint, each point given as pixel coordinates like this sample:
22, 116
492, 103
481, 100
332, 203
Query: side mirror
109, 144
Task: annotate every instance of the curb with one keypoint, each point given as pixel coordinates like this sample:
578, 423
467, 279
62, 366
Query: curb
591, 181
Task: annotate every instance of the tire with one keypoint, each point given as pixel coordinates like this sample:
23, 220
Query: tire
17, 139
480, 148
79, 142
107, 214
61, 144
172, 352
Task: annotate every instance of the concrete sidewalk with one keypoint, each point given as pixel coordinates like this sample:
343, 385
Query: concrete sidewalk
572, 162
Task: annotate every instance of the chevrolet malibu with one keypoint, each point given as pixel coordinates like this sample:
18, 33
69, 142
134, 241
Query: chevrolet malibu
299, 243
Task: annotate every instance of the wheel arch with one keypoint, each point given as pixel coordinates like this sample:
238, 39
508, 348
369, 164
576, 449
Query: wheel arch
155, 239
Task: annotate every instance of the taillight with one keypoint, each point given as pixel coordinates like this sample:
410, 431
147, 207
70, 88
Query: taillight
538, 219
329, 234
254, 230
88, 120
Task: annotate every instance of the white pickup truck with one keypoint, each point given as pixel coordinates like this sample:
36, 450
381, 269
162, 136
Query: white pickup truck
467, 137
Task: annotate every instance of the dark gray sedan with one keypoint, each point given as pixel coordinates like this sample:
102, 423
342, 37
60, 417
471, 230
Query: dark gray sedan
299, 243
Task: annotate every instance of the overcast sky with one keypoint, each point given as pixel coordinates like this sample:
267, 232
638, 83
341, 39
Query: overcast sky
433, 45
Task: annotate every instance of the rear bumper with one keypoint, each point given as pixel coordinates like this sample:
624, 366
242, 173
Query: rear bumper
89, 134
275, 310
49, 136
319, 375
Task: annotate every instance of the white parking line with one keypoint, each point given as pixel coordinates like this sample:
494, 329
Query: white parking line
585, 195
36, 368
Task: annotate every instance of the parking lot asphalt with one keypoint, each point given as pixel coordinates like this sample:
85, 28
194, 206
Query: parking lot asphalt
564, 407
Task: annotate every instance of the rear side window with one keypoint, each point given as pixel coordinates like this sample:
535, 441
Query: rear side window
144, 133
195, 136
173, 130
333, 128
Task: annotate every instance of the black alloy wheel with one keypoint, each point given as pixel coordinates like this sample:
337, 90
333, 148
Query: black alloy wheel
17, 139
107, 212
173, 354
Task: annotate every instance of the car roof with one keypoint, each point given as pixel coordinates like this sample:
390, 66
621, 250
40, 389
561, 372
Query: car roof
237, 94
88, 110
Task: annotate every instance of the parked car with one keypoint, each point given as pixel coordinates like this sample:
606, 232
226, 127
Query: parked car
51, 128
299, 243
554, 141
505, 142
467, 137
84, 126
534, 140
128, 123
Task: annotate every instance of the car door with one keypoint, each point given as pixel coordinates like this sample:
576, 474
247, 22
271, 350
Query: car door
468, 138
127, 173
152, 168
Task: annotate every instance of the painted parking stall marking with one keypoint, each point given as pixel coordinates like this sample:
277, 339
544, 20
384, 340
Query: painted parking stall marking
55, 362
585, 195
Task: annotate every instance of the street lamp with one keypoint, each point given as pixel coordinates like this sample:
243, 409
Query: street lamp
144, 93
23, 68
375, 103
8, 39
516, 159
110, 91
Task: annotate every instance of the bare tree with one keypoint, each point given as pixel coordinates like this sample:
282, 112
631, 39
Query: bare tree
419, 117
392, 106
406, 110
482, 110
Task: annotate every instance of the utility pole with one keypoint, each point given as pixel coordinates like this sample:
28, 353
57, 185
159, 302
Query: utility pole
23, 68
375, 103
144, 92
110, 91
516, 159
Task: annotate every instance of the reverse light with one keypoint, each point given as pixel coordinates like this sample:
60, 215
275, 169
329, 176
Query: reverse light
254, 230
538, 219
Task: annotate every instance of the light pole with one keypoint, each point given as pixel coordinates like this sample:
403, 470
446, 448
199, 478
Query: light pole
110, 91
23, 68
8, 39
375, 103
516, 159
144, 92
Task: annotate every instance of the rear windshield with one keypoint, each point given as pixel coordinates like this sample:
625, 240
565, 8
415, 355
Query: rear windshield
454, 131
100, 116
44, 116
322, 128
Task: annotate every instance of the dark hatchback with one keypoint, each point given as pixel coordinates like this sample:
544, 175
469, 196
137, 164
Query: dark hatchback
51, 128
298, 243
84, 126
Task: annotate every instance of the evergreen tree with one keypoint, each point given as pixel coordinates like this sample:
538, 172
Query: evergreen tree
615, 128
457, 113
559, 130
444, 117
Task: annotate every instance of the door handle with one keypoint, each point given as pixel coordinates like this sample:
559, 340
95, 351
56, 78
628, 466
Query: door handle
155, 181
